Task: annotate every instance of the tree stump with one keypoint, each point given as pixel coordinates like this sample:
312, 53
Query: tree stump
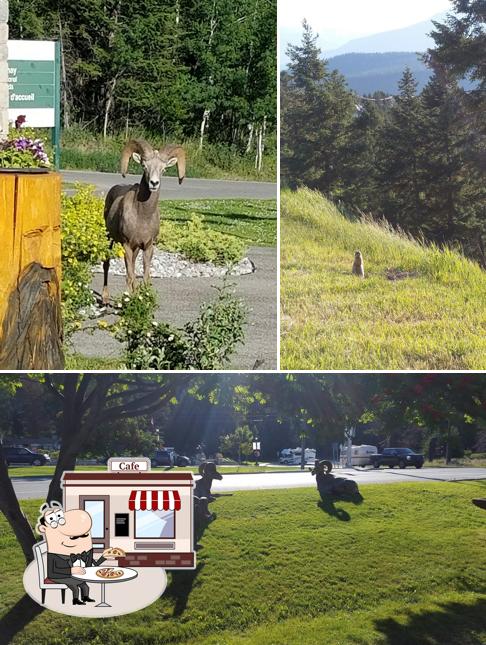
30, 271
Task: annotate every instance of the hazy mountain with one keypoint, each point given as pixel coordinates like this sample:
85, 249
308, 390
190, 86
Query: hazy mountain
368, 73
414, 38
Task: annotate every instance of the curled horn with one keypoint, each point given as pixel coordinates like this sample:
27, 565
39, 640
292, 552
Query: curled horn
134, 145
178, 153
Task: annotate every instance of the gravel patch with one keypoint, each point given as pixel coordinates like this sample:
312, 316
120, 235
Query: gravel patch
173, 265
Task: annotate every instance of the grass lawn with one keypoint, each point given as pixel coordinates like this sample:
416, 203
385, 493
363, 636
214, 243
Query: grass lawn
252, 220
417, 308
276, 568
42, 471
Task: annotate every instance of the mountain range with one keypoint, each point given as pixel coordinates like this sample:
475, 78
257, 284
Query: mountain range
367, 73
414, 38
376, 62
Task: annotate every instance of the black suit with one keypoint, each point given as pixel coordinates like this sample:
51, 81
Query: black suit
59, 569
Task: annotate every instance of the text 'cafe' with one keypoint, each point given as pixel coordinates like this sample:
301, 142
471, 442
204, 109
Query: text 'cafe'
148, 514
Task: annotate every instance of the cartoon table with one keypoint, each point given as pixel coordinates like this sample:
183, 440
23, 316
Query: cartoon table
90, 576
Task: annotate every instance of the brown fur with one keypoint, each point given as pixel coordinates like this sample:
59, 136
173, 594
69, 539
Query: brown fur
132, 212
358, 265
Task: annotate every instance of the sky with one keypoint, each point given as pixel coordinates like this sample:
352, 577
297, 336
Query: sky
346, 19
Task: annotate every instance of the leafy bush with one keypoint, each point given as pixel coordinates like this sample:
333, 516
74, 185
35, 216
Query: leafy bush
22, 149
207, 343
200, 243
84, 243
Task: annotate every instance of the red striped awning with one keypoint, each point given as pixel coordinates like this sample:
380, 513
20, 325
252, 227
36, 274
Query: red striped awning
154, 500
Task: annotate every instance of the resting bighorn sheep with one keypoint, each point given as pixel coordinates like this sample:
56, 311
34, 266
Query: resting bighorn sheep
132, 212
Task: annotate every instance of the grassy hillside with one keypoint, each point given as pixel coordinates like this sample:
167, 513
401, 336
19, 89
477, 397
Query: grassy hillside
418, 307
280, 568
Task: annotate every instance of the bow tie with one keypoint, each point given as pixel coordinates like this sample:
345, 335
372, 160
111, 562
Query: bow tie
78, 556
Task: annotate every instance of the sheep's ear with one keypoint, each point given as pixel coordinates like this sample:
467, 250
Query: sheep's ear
136, 157
172, 162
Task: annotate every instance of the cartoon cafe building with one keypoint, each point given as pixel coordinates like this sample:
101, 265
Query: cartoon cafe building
147, 514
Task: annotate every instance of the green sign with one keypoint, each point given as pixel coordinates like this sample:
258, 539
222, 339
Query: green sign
31, 84
34, 86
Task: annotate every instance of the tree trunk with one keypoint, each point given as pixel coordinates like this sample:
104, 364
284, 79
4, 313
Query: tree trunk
10, 507
251, 128
204, 123
108, 103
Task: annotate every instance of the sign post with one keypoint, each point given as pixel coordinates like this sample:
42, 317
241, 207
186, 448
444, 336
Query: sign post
34, 79
3, 69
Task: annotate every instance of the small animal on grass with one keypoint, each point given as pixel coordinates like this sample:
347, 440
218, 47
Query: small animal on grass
358, 265
132, 215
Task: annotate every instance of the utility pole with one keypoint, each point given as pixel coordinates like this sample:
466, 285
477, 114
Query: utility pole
3, 69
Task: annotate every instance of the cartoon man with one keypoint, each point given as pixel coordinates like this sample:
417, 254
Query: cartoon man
69, 547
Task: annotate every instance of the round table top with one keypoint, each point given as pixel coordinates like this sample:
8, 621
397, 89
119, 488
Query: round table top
90, 575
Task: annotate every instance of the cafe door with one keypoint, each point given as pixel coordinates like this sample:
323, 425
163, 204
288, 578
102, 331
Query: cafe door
98, 506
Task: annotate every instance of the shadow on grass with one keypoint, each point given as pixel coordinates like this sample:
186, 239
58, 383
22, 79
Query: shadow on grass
180, 588
450, 623
18, 617
327, 504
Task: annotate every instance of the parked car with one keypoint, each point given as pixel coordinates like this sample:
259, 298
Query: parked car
401, 457
15, 456
169, 458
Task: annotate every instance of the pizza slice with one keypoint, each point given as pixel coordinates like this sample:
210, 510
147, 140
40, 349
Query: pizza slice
108, 572
114, 552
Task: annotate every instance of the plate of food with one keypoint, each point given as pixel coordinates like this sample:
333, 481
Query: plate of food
114, 552
109, 573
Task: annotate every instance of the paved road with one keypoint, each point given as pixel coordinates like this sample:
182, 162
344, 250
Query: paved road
189, 189
33, 488
180, 299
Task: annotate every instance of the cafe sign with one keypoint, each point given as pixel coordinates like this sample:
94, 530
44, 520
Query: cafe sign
129, 464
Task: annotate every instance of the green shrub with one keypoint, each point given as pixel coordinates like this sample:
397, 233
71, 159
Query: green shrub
200, 243
207, 343
84, 243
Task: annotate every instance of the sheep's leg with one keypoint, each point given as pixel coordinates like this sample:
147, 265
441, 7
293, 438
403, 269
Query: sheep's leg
105, 295
130, 257
147, 261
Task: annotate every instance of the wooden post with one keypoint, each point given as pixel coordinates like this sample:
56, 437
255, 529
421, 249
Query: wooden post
30, 271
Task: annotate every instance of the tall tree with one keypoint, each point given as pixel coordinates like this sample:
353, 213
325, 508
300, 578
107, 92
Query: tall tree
400, 158
316, 113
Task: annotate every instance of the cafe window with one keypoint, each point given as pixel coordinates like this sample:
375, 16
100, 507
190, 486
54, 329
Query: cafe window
154, 524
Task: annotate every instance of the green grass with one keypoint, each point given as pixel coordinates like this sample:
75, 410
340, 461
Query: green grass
252, 220
278, 569
84, 150
80, 363
433, 318
42, 471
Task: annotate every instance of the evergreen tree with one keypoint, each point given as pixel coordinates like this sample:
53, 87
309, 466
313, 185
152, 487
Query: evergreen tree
316, 113
460, 43
361, 165
399, 166
451, 198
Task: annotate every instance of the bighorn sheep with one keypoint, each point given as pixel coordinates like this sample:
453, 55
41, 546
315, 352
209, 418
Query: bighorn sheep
132, 212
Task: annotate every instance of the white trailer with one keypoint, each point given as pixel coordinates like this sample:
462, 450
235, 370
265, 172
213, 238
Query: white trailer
360, 455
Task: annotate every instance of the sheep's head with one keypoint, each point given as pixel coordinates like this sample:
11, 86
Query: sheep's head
153, 162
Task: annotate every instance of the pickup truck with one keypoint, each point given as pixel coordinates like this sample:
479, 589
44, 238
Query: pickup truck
401, 457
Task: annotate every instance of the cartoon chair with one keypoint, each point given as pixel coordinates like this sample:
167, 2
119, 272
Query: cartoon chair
40, 552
